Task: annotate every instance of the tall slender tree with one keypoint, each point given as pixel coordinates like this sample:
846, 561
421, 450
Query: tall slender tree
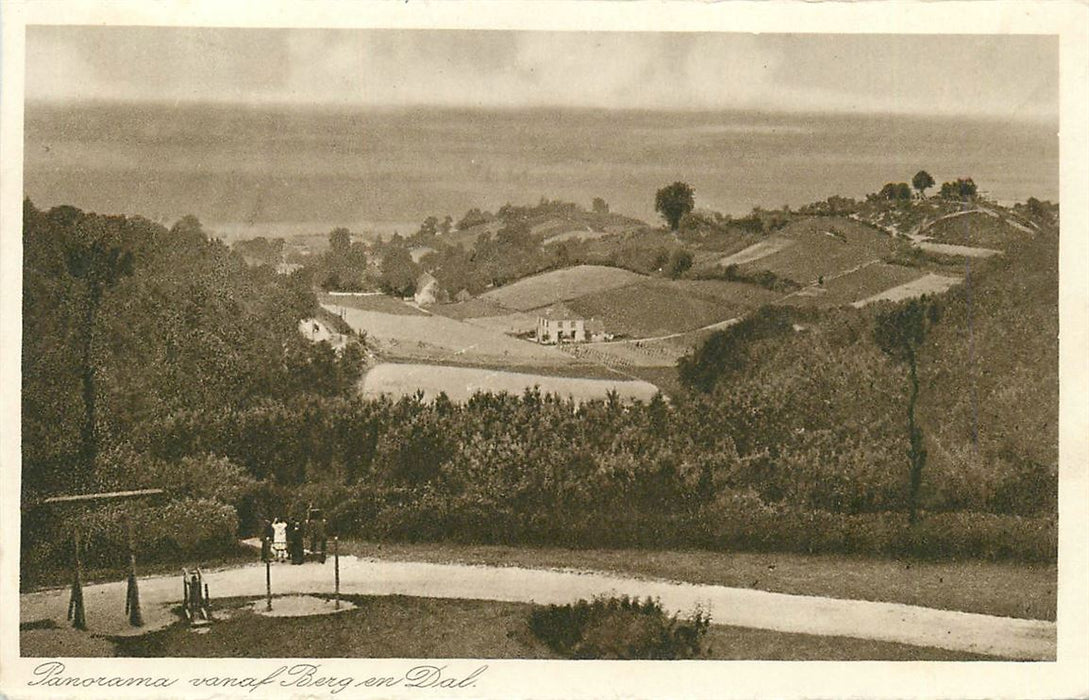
94, 255
900, 333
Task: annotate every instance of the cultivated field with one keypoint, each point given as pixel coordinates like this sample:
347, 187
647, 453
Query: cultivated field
560, 285
855, 286
756, 251
444, 339
630, 355
460, 383
962, 251
511, 324
369, 302
658, 307
731, 293
928, 284
976, 229
575, 235
825, 246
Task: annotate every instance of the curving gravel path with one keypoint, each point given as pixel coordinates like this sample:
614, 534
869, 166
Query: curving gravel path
919, 626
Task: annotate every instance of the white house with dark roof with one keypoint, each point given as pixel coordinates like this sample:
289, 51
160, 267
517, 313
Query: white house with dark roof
559, 324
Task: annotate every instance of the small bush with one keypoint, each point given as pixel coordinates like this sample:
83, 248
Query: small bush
619, 628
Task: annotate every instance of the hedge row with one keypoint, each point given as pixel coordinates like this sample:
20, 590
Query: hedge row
739, 521
174, 531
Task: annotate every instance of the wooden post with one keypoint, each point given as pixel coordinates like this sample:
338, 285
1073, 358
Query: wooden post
76, 613
268, 584
336, 570
132, 595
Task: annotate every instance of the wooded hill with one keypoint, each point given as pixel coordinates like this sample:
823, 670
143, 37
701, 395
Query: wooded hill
792, 434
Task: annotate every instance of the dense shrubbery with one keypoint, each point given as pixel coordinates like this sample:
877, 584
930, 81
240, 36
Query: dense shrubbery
188, 327
186, 528
833, 206
778, 466
619, 628
193, 327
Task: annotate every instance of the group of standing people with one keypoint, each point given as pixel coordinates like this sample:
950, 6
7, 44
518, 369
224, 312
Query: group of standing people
283, 540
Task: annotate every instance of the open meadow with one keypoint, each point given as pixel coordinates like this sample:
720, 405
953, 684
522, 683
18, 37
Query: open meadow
821, 247
930, 283
372, 301
460, 383
856, 285
439, 338
978, 229
658, 307
560, 285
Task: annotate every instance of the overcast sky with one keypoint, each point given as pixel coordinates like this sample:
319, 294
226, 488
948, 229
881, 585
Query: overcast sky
1010, 77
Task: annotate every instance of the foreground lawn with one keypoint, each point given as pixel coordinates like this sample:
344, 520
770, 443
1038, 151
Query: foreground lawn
993, 588
407, 627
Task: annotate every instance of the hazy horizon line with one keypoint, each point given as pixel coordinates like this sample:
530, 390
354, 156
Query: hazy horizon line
391, 108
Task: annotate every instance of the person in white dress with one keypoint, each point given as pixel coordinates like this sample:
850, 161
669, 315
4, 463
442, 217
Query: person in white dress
279, 539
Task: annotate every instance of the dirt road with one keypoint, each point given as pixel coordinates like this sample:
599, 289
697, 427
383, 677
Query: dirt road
958, 631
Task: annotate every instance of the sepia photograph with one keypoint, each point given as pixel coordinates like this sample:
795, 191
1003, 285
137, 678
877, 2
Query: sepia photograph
463, 345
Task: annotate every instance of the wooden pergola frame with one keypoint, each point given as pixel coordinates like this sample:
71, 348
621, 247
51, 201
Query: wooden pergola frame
76, 611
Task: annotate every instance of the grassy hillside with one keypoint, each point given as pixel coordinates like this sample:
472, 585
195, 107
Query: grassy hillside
975, 229
822, 246
560, 285
659, 307
855, 286
990, 376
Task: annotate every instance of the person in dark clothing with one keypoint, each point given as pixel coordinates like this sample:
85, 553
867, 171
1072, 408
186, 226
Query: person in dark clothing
318, 539
295, 542
266, 541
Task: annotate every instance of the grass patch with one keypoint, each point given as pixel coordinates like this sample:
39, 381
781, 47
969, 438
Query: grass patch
379, 627
992, 588
473, 308
408, 627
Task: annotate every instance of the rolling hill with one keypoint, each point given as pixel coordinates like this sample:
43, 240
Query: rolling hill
560, 285
808, 249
